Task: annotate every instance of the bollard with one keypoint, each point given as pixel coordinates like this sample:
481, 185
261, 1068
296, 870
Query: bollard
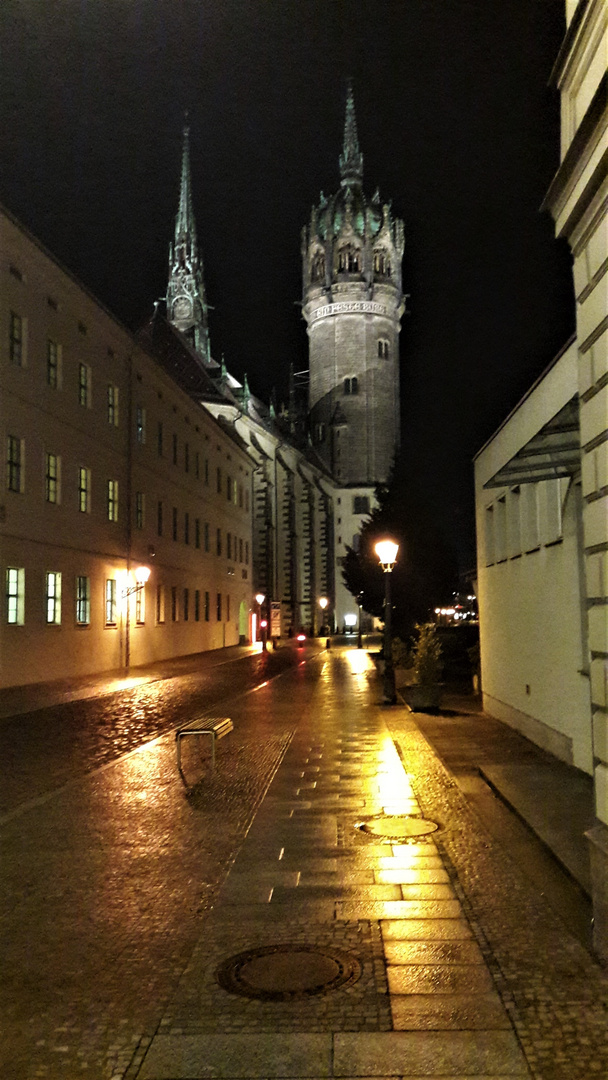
328, 644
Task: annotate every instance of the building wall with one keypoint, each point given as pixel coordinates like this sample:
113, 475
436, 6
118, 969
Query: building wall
43, 409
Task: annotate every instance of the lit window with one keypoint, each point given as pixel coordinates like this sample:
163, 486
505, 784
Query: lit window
140, 502
112, 500
84, 385
52, 363
83, 600
84, 490
15, 457
15, 339
51, 478
140, 423
15, 595
113, 405
110, 601
53, 598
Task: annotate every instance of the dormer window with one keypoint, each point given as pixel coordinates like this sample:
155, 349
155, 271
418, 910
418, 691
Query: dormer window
349, 261
317, 267
382, 264
351, 385
383, 350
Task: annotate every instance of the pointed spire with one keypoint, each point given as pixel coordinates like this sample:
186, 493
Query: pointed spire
184, 222
351, 158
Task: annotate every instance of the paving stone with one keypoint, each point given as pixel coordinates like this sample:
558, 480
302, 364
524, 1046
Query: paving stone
429, 1054
449, 1012
432, 952
187, 1057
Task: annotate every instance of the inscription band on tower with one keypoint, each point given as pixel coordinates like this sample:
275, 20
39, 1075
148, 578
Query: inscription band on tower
367, 307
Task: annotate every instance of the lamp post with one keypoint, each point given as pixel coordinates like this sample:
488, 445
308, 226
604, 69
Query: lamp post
359, 635
141, 573
323, 602
260, 598
386, 550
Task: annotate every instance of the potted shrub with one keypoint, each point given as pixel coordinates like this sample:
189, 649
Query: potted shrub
425, 693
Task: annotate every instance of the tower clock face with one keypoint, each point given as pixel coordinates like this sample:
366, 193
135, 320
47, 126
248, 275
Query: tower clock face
182, 308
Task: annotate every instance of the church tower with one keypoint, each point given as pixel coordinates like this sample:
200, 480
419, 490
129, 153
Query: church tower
186, 301
353, 303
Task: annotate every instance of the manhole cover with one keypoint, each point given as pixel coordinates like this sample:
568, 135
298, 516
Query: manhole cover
288, 972
394, 825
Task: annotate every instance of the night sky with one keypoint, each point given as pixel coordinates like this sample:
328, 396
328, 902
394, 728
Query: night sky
457, 125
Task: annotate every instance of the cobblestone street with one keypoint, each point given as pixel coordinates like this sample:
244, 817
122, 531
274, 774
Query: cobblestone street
125, 890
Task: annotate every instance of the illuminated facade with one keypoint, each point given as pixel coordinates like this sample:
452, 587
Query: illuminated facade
109, 463
542, 481
352, 250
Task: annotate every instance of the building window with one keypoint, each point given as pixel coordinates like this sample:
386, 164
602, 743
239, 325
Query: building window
219, 480
382, 264
228, 545
383, 351
84, 490
197, 532
247, 502
51, 478
207, 607
16, 351
228, 608
15, 460
140, 424
15, 595
197, 605
197, 465
140, 504
229, 488
84, 386
218, 542
351, 385
52, 363
319, 432
83, 600
206, 536
112, 405
186, 604
110, 601
159, 518
247, 552
160, 603
241, 495
174, 523
348, 261
186, 528
173, 603
53, 598
219, 607
240, 550
206, 470
140, 606
112, 500
186, 457
174, 448
317, 267
360, 504
159, 439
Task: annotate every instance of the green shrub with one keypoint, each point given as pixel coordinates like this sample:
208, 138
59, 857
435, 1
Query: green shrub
427, 654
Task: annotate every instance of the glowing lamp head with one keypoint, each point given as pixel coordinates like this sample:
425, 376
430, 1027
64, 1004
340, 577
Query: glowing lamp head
301, 638
386, 550
323, 602
259, 597
264, 623
142, 573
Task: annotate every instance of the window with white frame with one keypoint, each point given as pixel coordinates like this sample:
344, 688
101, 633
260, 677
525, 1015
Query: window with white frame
84, 490
112, 500
53, 363
52, 471
111, 602
15, 460
85, 381
112, 405
15, 595
140, 424
16, 336
83, 600
53, 598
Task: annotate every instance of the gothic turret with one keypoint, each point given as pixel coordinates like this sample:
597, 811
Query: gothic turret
352, 251
186, 301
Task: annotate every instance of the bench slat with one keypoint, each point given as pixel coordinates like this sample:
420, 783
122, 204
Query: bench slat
215, 726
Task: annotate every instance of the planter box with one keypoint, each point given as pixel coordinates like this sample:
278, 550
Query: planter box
424, 698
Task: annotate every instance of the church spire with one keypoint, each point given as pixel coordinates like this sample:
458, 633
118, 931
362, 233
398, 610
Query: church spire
351, 158
186, 301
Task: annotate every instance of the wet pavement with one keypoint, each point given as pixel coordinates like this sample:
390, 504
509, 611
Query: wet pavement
125, 889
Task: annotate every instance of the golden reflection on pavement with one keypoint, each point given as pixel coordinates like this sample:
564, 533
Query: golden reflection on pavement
359, 661
394, 788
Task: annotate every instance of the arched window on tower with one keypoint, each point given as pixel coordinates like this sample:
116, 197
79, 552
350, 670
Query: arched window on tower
382, 264
317, 267
349, 261
383, 350
351, 385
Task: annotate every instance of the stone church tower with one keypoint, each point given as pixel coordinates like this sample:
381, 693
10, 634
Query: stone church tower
353, 303
186, 301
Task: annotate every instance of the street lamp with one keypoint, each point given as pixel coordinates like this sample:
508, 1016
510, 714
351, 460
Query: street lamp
260, 598
141, 575
386, 550
323, 602
359, 635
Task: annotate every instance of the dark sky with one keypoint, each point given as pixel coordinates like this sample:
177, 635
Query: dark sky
457, 126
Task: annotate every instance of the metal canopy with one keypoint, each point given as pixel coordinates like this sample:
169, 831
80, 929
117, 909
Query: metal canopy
554, 451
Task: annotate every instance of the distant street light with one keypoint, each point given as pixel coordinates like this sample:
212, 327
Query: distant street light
260, 598
386, 550
323, 603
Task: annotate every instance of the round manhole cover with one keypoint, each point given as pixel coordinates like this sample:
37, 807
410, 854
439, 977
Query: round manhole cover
288, 972
397, 826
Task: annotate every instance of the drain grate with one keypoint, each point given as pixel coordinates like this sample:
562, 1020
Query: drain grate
288, 972
397, 826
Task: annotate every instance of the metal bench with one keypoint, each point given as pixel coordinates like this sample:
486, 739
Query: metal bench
214, 726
